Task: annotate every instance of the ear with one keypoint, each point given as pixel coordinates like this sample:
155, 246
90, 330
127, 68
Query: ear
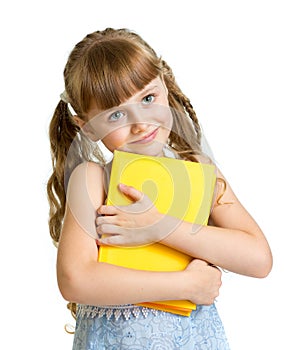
78, 121
85, 128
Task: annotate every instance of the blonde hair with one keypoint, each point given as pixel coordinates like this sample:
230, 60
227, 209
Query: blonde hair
107, 67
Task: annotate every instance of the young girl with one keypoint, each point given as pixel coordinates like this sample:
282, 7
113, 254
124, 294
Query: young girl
119, 92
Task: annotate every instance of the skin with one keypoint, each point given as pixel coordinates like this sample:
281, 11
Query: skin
233, 240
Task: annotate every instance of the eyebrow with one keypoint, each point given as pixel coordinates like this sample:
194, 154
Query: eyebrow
147, 90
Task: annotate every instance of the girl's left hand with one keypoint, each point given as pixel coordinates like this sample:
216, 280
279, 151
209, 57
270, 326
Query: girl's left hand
136, 224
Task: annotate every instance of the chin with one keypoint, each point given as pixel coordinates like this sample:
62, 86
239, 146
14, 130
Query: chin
153, 149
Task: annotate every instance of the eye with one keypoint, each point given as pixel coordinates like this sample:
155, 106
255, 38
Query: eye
117, 115
148, 99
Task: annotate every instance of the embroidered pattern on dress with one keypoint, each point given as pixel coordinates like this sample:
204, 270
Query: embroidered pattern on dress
203, 330
115, 311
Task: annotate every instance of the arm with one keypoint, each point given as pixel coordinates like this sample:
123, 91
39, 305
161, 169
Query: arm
84, 280
232, 241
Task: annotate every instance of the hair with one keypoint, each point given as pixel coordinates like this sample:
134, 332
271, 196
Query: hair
107, 67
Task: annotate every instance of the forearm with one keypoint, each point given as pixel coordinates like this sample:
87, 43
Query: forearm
232, 249
105, 284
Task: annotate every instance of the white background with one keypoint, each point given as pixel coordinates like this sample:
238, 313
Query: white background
227, 57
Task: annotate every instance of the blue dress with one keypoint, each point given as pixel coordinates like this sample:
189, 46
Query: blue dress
129, 327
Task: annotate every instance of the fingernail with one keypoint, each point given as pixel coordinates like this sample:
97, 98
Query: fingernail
122, 186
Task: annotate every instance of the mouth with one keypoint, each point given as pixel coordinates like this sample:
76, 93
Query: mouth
147, 138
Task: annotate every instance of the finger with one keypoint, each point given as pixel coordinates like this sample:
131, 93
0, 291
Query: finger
131, 192
107, 210
100, 220
114, 240
199, 262
98, 242
108, 229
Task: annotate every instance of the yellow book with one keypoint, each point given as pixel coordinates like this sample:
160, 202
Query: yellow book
178, 188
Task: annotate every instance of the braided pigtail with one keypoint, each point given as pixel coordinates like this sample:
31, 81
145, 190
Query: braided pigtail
186, 132
185, 137
62, 132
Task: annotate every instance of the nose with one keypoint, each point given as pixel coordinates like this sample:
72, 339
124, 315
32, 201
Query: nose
138, 127
137, 120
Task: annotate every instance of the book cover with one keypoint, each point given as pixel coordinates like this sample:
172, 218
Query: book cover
179, 188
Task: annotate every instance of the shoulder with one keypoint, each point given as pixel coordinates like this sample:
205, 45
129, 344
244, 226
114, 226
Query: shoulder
87, 179
85, 169
85, 174
223, 192
226, 209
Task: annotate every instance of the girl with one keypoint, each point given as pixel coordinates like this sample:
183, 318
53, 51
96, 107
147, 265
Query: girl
119, 92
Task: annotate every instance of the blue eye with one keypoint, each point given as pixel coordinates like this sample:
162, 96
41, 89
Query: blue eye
117, 115
148, 99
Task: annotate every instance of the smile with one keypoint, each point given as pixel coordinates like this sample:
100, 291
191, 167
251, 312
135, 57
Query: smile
147, 138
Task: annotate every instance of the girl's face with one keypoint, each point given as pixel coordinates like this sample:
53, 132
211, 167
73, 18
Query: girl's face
142, 124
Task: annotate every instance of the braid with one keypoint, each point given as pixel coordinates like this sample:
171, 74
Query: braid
188, 107
186, 132
62, 132
92, 75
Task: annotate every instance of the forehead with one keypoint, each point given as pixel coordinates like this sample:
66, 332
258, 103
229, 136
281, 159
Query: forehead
112, 72
156, 83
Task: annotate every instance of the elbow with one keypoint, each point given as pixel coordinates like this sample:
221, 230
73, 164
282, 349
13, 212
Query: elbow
68, 286
265, 270
263, 265
74, 286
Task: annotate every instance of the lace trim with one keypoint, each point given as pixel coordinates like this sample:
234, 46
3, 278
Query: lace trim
115, 311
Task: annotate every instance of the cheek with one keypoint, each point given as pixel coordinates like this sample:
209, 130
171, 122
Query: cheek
115, 139
163, 135
165, 117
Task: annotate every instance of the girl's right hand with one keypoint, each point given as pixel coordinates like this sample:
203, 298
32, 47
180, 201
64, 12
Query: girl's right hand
204, 282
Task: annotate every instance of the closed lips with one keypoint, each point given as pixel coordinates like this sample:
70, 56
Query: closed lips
148, 137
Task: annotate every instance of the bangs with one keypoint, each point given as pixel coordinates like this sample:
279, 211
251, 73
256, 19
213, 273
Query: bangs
113, 72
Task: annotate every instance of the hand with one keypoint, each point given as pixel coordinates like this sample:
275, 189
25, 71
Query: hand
136, 224
204, 282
